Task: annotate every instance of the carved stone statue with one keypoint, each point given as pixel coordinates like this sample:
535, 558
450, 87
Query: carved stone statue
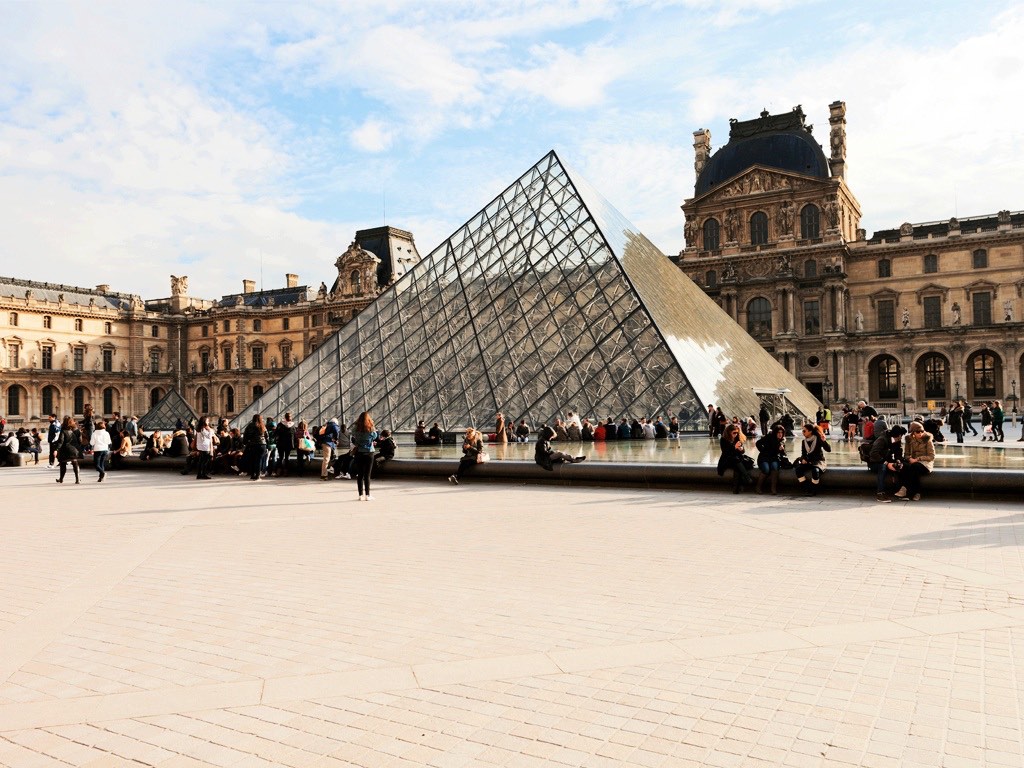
858, 321
906, 318
124, 366
35, 360
729, 272
832, 213
784, 219
28, 295
954, 224
784, 265
690, 232
96, 363
137, 302
322, 292
1003, 217
731, 224
64, 364
1008, 311
956, 313
179, 285
906, 229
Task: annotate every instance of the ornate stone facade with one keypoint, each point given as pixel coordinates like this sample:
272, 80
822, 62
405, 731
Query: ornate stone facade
62, 347
911, 317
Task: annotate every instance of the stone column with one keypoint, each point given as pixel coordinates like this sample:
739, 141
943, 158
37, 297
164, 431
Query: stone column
790, 312
777, 313
828, 310
840, 301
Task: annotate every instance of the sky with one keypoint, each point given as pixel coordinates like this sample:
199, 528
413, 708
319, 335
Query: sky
230, 140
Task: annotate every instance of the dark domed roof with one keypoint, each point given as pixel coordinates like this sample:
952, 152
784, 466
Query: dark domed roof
775, 141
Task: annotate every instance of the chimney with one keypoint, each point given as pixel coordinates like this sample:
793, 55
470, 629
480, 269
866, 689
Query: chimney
837, 138
102, 288
701, 149
248, 286
291, 281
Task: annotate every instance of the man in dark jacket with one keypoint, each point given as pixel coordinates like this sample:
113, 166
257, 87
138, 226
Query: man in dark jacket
886, 458
51, 437
956, 421
546, 456
969, 417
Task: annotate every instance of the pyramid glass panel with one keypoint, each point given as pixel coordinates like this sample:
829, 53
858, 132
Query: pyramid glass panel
168, 413
546, 300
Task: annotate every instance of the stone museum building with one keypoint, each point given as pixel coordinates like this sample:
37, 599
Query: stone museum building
62, 347
906, 318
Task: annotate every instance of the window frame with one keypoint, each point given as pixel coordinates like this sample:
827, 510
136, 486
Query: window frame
758, 226
884, 267
979, 258
806, 221
931, 264
711, 230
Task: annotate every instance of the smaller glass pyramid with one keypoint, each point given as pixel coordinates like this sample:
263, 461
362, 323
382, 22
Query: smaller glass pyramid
166, 414
545, 301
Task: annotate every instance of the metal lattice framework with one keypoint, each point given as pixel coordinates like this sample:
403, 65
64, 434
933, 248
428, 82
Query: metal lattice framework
166, 414
545, 301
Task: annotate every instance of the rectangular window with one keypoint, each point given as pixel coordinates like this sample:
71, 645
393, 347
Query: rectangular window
257, 358
206, 331
812, 318
286, 357
932, 311
257, 325
79, 360
78, 324
154, 361
315, 321
47, 321
887, 315
227, 326
108, 400
982, 303
204, 361
286, 323
108, 360
13, 353
47, 358
108, 328
154, 331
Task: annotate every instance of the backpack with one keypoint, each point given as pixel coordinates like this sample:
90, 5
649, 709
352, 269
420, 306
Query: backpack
864, 449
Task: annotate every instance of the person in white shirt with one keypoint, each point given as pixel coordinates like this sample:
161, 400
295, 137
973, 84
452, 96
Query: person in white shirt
100, 443
205, 440
573, 418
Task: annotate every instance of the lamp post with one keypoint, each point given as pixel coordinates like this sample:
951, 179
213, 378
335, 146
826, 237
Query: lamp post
904, 388
957, 384
827, 386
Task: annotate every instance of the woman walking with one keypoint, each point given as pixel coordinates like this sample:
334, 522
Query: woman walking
69, 448
100, 449
771, 450
472, 454
255, 441
734, 457
812, 457
205, 440
363, 437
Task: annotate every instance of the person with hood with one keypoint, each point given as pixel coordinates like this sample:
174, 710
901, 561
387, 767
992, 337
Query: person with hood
546, 456
812, 457
886, 459
624, 432
329, 434
919, 461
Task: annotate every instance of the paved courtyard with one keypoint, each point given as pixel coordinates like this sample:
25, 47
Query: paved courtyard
153, 620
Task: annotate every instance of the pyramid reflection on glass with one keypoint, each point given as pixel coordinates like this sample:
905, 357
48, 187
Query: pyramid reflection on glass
166, 414
546, 301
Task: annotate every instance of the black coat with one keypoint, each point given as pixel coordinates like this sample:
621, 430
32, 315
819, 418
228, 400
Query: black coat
69, 445
730, 456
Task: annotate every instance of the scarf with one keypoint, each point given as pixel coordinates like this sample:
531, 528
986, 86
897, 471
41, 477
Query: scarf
810, 443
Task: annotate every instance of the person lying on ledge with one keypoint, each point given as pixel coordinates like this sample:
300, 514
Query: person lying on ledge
546, 456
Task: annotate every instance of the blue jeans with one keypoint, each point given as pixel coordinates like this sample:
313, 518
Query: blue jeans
99, 459
883, 472
766, 467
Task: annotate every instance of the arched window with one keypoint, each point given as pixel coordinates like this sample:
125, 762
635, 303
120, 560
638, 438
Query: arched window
15, 398
229, 399
979, 259
810, 268
357, 281
810, 222
759, 228
759, 318
51, 399
934, 376
887, 378
712, 234
711, 279
203, 400
80, 396
931, 263
884, 268
108, 400
257, 391
985, 370
155, 395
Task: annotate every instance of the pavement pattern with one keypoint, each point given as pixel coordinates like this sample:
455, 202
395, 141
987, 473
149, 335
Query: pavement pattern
158, 621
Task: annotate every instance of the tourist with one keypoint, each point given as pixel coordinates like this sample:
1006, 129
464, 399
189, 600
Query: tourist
771, 450
329, 434
522, 431
35, 446
673, 428
636, 430
8, 449
179, 444
750, 428
472, 454
867, 428
545, 456
436, 434
969, 417
934, 428
420, 436
254, 440
587, 431
572, 418
734, 457
764, 417
812, 457
788, 424
100, 449
864, 410
997, 421
600, 432
851, 421
363, 438
52, 432
986, 423
624, 432
124, 450
153, 447
386, 448
956, 421
205, 441
500, 434
270, 461
285, 438
69, 448
560, 431
886, 459
712, 421
722, 422
132, 428
305, 447
648, 429
919, 461
87, 427
573, 432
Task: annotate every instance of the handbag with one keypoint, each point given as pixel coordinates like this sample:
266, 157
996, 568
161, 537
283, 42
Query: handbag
747, 462
306, 444
785, 463
482, 458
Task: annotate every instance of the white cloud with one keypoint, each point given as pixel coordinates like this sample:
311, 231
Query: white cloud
566, 78
372, 136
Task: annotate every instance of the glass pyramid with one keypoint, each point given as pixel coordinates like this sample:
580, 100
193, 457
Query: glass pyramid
545, 301
166, 413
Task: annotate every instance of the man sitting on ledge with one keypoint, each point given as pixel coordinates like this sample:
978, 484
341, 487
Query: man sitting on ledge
546, 456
